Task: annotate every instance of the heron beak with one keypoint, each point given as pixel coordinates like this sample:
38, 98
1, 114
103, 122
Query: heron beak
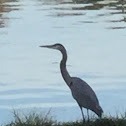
46, 46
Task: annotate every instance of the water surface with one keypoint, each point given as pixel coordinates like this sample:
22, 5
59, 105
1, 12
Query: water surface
94, 34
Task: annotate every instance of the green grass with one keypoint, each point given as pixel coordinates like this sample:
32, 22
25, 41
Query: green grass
34, 119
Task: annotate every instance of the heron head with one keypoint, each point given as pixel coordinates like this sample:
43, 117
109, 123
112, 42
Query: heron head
55, 46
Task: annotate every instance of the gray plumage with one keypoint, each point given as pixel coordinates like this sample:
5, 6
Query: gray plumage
81, 91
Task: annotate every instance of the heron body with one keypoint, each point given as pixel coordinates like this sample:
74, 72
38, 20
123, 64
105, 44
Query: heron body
81, 91
85, 96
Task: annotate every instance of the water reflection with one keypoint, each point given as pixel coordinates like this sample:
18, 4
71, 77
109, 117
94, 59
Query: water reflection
105, 9
97, 5
67, 14
6, 7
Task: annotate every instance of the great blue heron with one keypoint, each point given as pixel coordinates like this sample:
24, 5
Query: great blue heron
81, 91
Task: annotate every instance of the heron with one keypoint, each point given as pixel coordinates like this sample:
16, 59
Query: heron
81, 91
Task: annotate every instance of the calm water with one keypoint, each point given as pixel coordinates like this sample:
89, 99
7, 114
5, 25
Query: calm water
95, 37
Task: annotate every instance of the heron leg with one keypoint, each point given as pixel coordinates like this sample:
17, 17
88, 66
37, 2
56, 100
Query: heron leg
88, 114
82, 114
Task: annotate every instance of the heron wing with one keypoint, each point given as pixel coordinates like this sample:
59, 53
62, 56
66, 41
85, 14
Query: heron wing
83, 94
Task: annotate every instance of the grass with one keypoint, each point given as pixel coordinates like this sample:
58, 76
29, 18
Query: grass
34, 119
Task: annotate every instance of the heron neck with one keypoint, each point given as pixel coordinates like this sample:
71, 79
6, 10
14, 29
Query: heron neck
63, 69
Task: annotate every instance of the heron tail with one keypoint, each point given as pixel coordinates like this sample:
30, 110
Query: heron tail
99, 111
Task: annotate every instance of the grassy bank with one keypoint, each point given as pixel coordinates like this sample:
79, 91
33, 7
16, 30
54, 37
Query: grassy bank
45, 120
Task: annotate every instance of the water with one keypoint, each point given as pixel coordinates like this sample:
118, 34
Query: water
94, 34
